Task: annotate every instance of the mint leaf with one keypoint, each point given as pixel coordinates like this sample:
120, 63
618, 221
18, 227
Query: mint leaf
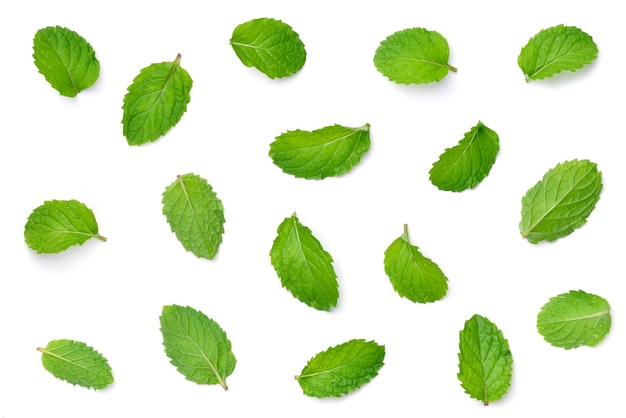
555, 49
561, 202
342, 369
325, 152
302, 265
197, 346
76, 363
155, 102
59, 224
485, 361
195, 214
576, 318
269, 45
412, 275
65, 59
467, 163
413, 56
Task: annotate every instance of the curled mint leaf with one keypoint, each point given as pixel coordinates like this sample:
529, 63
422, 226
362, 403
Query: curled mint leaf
195, 214
76, 363
413, 56
556, 49
59, 224
561, 202
303, 266
412, 275
197, 346
467, 163
325, 152
485, 361
65, 59
269, 45
573, 319
155, 101
342, 369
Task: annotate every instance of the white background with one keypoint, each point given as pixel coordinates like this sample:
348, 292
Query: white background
110, 295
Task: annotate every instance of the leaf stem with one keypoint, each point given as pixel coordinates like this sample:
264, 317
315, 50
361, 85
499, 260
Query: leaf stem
101, 238
451, 68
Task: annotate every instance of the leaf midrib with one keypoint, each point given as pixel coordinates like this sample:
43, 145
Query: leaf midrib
580, 318
207, 243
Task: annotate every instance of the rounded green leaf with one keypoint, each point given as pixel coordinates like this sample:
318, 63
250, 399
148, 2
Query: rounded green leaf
76, 363
269, 45
65, 59
413, 56
576, 318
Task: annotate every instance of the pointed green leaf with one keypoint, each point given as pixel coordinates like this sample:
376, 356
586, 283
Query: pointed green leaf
195, 214
555, 49
65, 59
197, 346
342, 369
413, 56
76, 363
576, 318
467, 163
412, 275
325, 152
59, 224
561, 202
303, 266
269, 45
485, 361
155, 102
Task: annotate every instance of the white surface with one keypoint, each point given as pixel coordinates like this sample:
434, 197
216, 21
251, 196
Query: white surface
110, 295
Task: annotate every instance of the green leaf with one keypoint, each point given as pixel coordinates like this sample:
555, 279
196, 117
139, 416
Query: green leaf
155, 102
576, 318
197, 346
195, 214
59, 224
413, 56
341, 369
485, 361
467, 163
556, 49
65, 59
412, 275
325, 152
269, 45
76, 363
561, 202
303, 266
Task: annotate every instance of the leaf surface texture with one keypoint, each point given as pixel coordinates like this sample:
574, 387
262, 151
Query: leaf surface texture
155, 101
303, 266
561, 202
197, 346
573, 319
342, 369
325, 152
195, 214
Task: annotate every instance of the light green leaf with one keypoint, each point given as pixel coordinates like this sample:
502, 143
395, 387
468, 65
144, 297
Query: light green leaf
197, 346
325, 152
76, 363
413, 56
412, 275
156, 101
341, 369
555, 49
485, 361
269, 45
303, 266
59, 224
467, 163
561, 202
576, 318
195, 214
65, 59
